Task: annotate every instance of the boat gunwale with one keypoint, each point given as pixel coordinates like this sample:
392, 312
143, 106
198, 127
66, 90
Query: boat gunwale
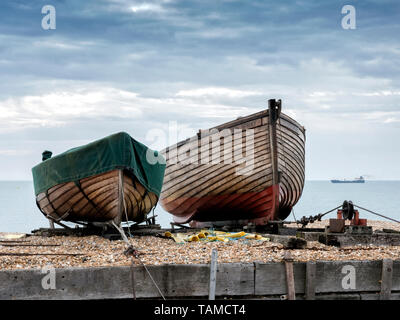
234, 123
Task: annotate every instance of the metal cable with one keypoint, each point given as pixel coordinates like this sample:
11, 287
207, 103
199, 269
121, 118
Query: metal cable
155, 284
121, 187
331, 211
376, 213
132, 251
126, 214
304, 220
294, 216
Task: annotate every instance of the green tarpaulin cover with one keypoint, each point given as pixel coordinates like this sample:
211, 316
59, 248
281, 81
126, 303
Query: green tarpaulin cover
117, 151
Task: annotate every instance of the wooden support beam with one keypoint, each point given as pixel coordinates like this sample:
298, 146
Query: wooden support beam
213, 274
59, 223
291, 293
311, 268
386, 280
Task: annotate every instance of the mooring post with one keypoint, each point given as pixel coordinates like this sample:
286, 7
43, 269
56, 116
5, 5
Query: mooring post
386, 280
291, 293
274, 110
213, 274
311, 268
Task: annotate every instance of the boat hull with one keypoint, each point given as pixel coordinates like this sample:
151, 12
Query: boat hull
250, 206
99, 198
264, 185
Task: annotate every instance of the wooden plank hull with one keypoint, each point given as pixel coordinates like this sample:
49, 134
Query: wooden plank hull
261, 181
98, 198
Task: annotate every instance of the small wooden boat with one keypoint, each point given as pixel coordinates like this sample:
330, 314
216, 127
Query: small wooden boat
263, 185
107, 180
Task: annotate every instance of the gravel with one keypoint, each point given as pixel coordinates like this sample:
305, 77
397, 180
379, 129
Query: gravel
96, 251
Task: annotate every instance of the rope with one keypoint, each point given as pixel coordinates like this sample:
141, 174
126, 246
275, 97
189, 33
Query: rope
294, 216
124, 205
376, 213
132, 251
151, 278
121, 231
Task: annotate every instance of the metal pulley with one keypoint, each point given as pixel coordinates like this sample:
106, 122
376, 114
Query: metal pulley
348, 210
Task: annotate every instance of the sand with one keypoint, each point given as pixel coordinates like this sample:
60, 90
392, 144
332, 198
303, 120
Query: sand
96, 251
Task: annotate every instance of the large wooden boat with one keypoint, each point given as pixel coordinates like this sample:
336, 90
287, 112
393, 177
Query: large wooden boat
262, 182
109, 180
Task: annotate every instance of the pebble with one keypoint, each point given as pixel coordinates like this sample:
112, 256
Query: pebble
98, 252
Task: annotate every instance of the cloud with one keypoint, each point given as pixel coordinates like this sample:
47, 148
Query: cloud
384, 93
62, 108
147, 7
14, 152
212, 91
132, 65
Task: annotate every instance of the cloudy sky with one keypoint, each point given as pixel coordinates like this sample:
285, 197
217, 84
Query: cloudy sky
135, 66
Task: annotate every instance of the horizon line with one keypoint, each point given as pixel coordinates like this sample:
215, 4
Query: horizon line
397, 179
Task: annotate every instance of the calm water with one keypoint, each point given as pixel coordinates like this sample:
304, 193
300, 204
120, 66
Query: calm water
18, 211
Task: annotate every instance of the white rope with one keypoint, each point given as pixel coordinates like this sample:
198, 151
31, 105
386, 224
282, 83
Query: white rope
121, 231
126, 214
155, 284
130, 249
121, 187
294, 216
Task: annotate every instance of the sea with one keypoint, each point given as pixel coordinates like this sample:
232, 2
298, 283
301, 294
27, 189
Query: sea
18, 211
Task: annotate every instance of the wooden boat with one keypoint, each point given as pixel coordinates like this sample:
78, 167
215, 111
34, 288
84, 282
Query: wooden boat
106, 180
204, 193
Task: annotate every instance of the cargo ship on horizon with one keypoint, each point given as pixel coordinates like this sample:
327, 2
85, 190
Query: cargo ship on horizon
355, 180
